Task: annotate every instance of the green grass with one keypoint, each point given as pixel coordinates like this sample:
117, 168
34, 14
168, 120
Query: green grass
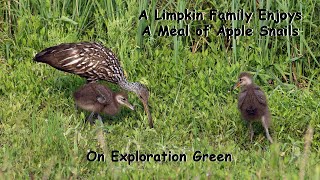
189, 78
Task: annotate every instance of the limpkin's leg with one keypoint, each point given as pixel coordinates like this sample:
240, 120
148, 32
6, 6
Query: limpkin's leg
90, 118
251, 131
264, 124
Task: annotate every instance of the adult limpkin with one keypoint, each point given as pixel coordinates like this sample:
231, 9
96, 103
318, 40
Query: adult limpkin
98, 98
252, 104
94, 62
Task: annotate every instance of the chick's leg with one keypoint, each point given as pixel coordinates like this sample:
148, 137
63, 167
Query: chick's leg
90, 118
263, 119
251, 131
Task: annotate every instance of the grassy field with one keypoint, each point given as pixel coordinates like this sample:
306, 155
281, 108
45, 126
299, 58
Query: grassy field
42, 135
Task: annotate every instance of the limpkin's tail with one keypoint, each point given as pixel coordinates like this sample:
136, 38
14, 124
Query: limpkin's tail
50, 53
39, 57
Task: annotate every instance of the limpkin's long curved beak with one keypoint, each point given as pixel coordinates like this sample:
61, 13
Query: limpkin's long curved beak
146, 109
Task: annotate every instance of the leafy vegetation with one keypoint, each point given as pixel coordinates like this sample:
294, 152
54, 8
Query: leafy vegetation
42, 135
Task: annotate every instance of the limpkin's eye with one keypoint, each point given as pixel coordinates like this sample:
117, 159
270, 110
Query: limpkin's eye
240, 80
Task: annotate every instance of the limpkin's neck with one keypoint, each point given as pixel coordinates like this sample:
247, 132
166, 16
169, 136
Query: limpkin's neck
129, 86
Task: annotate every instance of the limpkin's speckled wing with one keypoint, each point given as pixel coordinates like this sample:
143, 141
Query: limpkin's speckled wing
90, 60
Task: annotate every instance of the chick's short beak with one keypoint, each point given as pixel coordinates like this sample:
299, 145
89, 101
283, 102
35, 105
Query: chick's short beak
236, 85
130, 106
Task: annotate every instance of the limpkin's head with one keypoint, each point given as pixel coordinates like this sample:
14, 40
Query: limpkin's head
143, 94
245, 79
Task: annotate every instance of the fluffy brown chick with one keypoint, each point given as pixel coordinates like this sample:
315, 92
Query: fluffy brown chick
252, 104
98, 98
